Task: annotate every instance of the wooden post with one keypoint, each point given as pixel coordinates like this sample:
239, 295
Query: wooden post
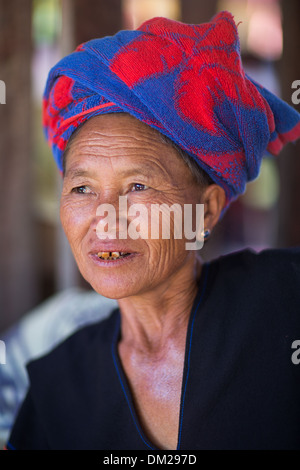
197, 11
17, 267
96, 18
289, 160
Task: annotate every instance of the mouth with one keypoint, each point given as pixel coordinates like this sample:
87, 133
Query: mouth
112, 255
113, 258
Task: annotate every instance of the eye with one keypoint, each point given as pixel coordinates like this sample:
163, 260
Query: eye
139, 187
81, 190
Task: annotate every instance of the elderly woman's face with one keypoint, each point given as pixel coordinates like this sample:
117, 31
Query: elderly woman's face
111, 156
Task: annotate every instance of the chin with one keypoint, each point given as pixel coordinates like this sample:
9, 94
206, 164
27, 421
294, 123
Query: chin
115, 294
114, 286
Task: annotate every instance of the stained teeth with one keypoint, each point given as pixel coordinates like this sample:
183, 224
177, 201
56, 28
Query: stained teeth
111, 255
103, 254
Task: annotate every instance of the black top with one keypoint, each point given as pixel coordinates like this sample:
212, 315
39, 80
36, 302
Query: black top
241, 389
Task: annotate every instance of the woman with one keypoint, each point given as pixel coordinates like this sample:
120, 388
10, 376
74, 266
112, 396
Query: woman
197, 356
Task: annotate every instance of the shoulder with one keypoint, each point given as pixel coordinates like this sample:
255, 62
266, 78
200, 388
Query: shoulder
74, 355
258, 288
270, 265
270, 256
66, 387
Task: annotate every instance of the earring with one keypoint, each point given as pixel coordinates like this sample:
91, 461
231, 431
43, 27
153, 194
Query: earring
206, 234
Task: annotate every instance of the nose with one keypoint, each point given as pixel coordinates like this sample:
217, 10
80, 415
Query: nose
110, 216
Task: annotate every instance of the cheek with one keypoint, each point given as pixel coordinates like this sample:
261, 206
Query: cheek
169, 252
76, 220
166, 256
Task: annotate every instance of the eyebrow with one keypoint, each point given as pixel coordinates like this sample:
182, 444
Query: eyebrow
77, 172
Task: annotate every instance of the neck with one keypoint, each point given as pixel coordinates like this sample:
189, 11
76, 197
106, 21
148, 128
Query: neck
149, 321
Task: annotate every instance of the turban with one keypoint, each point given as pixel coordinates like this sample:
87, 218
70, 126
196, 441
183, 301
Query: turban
186, 81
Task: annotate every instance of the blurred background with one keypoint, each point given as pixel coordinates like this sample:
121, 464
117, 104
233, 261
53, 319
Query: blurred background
35, 261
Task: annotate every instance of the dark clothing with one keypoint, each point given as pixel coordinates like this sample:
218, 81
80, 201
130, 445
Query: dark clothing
241, 389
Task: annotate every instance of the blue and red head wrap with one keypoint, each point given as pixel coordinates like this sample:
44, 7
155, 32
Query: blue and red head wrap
187, 81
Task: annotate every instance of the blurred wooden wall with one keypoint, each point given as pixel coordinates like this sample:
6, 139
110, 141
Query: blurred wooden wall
17, 260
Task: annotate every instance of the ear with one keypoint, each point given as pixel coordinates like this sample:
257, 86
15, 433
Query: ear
214, 199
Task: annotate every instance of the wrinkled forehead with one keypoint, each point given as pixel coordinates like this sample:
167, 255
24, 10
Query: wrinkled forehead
117, 124
151, 149
119, 131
